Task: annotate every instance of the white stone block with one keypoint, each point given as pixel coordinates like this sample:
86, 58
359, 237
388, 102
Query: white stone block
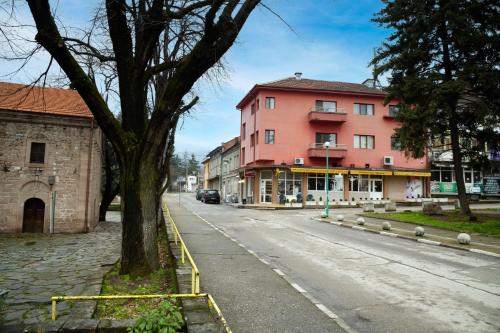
340, 217
419, 231
464, 238
360, 221
386, 226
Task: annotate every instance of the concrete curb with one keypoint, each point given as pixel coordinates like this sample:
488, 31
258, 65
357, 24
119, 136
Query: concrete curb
396, 235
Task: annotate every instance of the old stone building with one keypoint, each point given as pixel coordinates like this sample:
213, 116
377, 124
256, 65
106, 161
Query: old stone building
50, 161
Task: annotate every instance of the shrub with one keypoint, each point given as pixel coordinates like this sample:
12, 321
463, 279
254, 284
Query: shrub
166, 318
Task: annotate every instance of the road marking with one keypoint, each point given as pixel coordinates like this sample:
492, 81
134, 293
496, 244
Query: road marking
231, 238
336, 223
427, 241
327, 311
298, 288
241, 245
488, 253
388, 234
264, 261
251, 252
358, 228
280, 273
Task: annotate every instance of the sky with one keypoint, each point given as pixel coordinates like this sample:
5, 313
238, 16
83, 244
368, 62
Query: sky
328, 40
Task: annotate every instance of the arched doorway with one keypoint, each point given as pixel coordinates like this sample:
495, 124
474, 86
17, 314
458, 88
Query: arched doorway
34, 211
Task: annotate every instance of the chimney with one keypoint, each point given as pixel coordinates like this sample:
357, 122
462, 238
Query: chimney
298, 76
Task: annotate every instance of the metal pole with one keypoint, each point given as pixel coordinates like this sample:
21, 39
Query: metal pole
327, 185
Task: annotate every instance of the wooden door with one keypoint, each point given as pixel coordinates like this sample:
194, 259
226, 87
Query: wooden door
34, 212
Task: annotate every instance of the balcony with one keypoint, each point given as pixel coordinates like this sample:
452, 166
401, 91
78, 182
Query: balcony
335, 151
334, 115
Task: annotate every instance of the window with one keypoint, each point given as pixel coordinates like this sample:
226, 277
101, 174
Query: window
243, 156
269, 136
243, 130
258, 104
435, 175
395, 144
270, 103
326, 106
252, 140
252, 108
326, 137
364, 141
358, 183
446, 176
289, 183
364, 109
37, 152
393, 110
257, 137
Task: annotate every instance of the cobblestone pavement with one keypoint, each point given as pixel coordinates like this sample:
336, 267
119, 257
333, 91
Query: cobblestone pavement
34, 267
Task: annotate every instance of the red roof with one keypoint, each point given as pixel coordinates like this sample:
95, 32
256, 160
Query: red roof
293, 84
56, 101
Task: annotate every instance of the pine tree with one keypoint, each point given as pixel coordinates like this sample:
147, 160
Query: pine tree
443, 59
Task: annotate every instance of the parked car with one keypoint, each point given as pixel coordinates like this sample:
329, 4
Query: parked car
211, 196
199, 193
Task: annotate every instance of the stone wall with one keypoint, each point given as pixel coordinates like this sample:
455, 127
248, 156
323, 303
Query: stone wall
66, 157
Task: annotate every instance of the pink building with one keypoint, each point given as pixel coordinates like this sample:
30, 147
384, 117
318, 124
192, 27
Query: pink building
284, 125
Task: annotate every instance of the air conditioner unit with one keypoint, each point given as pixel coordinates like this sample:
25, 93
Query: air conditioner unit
388, 160
298, 161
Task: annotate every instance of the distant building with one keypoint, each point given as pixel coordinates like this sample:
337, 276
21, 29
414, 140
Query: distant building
50, 161
191, 184
214, 169
284, 125
230, 170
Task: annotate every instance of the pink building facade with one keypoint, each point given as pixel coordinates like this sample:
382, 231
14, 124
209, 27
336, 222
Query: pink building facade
284, 125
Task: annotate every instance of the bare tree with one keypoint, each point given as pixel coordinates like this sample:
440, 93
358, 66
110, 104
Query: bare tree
157, 49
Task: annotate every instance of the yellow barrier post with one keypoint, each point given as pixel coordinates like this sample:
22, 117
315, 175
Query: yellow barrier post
54, 309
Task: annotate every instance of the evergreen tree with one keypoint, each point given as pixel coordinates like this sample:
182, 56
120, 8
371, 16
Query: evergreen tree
443, 59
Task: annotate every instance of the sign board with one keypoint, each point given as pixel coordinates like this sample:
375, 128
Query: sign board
491, 185
249, 174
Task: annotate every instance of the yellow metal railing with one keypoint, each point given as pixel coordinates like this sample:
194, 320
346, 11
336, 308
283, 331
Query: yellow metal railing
210, 300
195, 274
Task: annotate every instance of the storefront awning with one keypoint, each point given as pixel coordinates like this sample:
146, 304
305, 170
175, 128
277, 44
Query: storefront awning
371, 172
330, 171
412, 174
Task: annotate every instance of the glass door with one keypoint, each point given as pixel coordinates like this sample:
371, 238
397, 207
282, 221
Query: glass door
376, 189
266, 190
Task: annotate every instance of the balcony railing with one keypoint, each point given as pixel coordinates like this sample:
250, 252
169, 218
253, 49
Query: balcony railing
335, 151
331, 115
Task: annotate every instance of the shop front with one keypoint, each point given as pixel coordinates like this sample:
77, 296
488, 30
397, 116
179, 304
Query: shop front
294, 185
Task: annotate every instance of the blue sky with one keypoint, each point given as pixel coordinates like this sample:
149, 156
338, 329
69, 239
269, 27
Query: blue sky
333, 40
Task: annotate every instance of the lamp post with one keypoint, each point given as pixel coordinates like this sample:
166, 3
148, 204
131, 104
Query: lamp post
326, 145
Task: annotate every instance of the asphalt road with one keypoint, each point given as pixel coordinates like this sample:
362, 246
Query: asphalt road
374, 283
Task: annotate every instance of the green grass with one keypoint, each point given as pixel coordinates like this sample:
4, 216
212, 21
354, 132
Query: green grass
161, 281
450, 220
114, 207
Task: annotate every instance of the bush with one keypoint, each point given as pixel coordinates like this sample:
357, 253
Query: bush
166, 318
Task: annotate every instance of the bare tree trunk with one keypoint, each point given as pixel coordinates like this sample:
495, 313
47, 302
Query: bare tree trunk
139, 216
457, 167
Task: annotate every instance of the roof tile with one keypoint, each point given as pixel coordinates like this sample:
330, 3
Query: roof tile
56, 101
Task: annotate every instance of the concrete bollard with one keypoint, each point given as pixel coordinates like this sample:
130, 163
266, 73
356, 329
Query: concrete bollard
464, 238
369, 207
340, 218
386, 226
360, 221
419, 231
323, 215
390, 206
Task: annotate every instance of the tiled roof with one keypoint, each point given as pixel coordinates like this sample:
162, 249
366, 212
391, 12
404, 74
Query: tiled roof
293, 83
231, 143
56, 101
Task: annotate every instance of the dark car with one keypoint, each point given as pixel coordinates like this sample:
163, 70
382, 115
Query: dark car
199, 193
211, 196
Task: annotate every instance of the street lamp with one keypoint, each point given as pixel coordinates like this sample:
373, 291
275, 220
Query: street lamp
326, 145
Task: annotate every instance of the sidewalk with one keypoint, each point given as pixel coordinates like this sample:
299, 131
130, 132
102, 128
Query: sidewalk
250, 295
407, 230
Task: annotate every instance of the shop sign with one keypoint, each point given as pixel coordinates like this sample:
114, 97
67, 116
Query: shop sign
249, 174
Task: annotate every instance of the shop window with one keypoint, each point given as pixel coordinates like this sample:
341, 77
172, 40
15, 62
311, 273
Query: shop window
358, 183
477, 176
435, 175
266, 174
468, 176
289, 183
446, 176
